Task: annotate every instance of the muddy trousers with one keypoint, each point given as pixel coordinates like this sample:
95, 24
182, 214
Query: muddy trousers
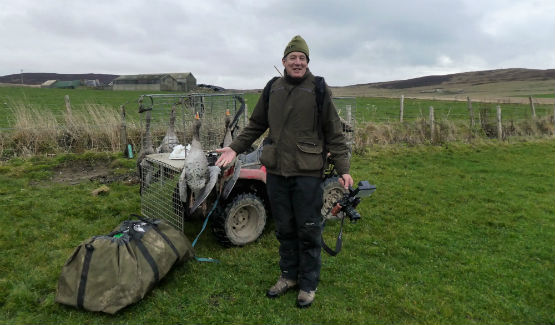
296, 204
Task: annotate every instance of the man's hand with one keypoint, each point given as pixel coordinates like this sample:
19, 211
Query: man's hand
346, 181
227, 156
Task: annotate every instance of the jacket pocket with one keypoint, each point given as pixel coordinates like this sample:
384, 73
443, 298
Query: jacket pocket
268, 157
309, 156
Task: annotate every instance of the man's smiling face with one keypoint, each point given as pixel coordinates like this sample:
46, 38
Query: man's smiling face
295, 64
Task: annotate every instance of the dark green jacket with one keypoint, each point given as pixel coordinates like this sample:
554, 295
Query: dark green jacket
295, 146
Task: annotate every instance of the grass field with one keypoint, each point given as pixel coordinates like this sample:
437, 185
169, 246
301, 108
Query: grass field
454, 234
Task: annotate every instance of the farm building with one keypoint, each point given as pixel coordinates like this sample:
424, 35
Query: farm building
156, 82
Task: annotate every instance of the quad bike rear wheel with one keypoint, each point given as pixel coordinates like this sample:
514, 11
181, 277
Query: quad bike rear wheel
333, 192
240, 221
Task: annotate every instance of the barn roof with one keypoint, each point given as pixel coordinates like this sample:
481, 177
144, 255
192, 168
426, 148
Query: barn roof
142, 76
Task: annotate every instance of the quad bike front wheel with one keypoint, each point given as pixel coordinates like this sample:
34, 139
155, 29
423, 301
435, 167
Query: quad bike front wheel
240, 221
333, 192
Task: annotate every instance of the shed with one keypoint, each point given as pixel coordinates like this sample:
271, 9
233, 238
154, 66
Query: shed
67, 84
186, 80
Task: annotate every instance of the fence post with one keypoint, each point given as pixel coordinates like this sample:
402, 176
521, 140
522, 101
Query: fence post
470, 112
432, 125
246, 116
68, 104
123, 131
401, 112
532, 106
499, 126
348, 110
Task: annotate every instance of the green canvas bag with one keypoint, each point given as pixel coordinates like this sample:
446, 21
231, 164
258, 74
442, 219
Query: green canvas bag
109, 272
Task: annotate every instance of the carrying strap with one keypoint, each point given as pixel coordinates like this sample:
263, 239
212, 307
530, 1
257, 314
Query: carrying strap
84, 274
338, 242
148, 258
164, 236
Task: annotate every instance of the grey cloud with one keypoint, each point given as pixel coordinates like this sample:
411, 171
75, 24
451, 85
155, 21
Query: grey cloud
235, 44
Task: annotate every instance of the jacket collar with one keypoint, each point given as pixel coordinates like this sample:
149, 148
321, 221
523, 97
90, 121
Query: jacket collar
296, 81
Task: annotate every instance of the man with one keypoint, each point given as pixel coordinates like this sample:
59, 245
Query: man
300, 136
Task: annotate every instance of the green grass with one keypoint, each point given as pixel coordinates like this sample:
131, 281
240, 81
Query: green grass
53, 100
457, 234
549, 95
379, 109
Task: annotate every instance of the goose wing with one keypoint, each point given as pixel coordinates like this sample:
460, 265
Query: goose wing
214, 172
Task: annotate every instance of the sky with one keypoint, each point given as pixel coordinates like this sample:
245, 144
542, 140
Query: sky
238, 44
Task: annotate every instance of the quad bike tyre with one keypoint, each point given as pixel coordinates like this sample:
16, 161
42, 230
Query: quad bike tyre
333, 192
240, 221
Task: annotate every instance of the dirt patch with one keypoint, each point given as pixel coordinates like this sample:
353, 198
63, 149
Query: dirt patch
76, 172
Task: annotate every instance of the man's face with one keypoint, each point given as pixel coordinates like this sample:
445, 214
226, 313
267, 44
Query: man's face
295, 64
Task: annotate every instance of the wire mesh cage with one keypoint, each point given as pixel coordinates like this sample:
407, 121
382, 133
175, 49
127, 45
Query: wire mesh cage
159, 189
211, 109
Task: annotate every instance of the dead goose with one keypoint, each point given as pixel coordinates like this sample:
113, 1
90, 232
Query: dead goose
170, 139
146, 149
195, 165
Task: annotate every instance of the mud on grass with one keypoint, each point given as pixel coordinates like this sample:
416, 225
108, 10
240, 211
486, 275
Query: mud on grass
104, 168
100, 171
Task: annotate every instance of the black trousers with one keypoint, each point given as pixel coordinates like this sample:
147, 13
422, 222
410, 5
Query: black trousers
296, 204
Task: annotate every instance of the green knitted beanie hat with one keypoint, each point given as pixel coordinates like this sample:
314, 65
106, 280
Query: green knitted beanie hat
297, 44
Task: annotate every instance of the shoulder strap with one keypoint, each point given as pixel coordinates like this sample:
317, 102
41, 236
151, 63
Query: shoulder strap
320, 90
266, 91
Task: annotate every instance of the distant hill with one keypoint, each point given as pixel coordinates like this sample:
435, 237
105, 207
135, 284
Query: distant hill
485, 85
39, 78
474, 78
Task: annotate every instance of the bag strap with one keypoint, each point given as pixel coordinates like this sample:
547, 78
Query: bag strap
84, 274
148, 258
155, 227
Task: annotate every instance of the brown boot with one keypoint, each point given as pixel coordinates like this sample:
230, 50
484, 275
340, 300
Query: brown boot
305, 298
281, 287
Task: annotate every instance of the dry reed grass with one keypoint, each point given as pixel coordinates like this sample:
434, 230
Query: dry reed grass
419, 132
35, 131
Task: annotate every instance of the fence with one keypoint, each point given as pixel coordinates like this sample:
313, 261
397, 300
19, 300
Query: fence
27, 130
383, 110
